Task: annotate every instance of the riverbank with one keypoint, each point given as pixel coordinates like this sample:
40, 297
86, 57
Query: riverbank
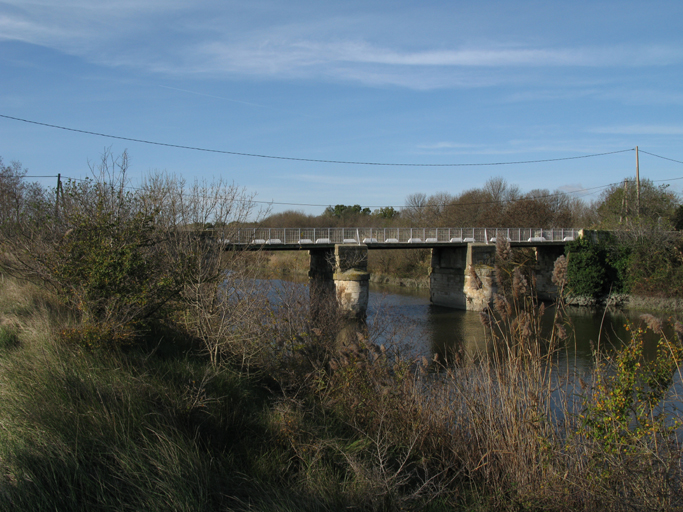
630, 302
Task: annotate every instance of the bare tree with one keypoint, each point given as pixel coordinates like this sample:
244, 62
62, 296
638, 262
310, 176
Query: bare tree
414, 208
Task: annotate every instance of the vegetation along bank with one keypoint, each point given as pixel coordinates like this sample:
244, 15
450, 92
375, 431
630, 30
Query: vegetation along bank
137, 375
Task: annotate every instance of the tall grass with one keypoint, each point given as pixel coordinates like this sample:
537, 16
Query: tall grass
297, 418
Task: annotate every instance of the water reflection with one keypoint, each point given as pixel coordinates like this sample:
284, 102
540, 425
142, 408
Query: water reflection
404, 316
454, 333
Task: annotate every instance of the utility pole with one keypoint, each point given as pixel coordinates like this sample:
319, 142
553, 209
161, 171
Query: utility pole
624, 203
59, 188
637, 185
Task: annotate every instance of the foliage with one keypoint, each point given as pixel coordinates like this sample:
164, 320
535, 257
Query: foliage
656, 269
110, 267
342, 211
647, 264
496, 204
122, 259
617, 206
625, 407
20, 200
387, 213
586, 268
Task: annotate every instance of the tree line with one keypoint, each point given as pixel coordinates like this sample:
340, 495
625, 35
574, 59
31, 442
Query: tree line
498, 204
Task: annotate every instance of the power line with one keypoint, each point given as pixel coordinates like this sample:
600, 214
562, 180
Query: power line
662, 157
314, 160
480, 203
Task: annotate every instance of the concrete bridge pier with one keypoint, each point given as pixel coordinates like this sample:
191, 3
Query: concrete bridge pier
546, 256
322, 292
463, 277
340, 277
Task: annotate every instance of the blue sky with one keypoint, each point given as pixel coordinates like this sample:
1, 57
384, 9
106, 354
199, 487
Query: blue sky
373, 81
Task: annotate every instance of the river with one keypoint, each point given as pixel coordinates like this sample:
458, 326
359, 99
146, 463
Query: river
433, 329
404, 317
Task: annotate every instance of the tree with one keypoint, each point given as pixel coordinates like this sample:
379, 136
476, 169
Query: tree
387, 213
19, 198
345, 213
414, 209
586, 269
617, 206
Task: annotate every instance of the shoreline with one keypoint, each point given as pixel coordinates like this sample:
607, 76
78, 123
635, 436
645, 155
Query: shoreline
630, 302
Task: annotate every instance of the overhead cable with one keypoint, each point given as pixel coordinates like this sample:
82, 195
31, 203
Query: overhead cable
662, 157
480, 203
313, 160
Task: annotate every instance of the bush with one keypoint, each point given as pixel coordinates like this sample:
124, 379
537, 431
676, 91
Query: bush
121, 259
656, 269
110, 267
586, 274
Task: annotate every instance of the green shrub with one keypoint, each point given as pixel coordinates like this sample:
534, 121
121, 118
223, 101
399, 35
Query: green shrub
109, 268
656, 269
586, 274
625, 407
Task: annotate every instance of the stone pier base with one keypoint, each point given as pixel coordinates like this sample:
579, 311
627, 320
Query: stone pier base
341, 272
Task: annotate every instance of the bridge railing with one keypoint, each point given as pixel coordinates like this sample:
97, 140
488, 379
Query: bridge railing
312, 236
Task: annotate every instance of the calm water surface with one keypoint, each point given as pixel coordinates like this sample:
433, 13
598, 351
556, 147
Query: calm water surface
405, 316
436, 329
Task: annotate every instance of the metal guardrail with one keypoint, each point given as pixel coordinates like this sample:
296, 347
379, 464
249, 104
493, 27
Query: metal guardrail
313, 236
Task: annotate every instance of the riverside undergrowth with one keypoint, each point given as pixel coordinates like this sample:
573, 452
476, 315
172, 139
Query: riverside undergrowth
223, 398
313, 425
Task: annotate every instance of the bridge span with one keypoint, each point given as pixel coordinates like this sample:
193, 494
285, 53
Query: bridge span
462, 270
274, 239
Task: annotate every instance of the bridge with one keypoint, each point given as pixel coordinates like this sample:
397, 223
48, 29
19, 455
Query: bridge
274, 239
461, 275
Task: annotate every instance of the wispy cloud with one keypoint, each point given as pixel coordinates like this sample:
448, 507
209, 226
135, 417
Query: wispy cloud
362, 61
224, 41
640, 129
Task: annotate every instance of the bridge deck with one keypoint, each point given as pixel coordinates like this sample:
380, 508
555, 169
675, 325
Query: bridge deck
378, 246
287, 239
